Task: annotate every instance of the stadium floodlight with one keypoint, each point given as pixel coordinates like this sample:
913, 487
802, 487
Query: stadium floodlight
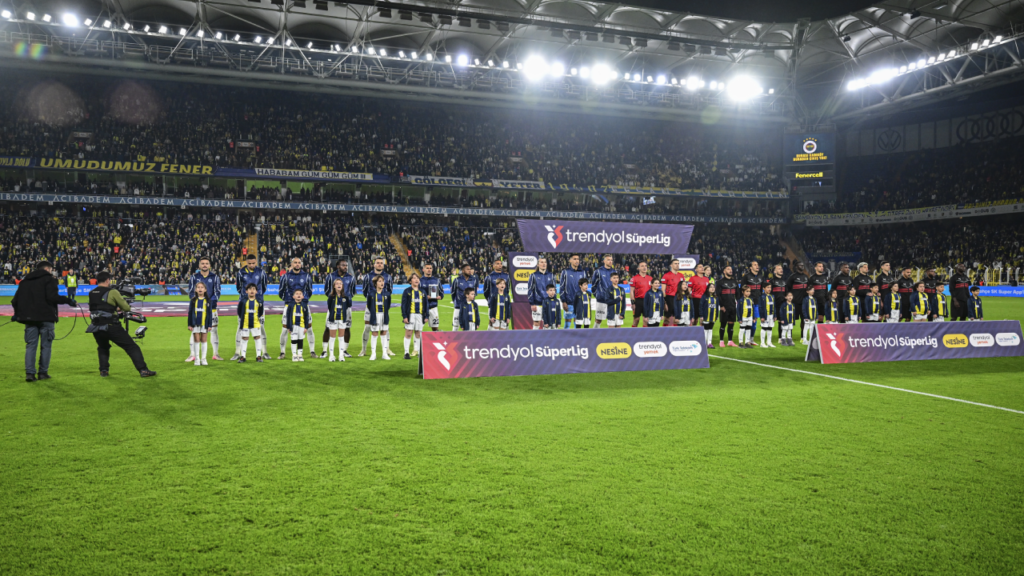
692, 83
974, 46
660, 79
921, 63
236, 37
288, 42
602, 74
414, 55
462, 60
771, 90
556, 69
649, 79
69, 19
854, 85
106, 23
383, 52
30, 16
490, 63
743, 88
309, 45
584, 72
881, 76
270, 40
913, 66
674, 81
127, 26
448, 58
574, 71
218, 35
998, 39
183, 32
504, 63
931, 59
430, 57
200, 33
903, 69
952, 54
355, 49
985, 43
476, 61
636, 78
47, 17
258, 39
145, 28
401, 53
714, 85
535, 68
163, 30
88, 22
6, 14
371, 51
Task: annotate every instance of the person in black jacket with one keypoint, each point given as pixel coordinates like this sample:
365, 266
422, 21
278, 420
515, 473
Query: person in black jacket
35, 305
959, 292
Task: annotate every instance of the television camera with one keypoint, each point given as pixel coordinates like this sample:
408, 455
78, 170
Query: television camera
129, 292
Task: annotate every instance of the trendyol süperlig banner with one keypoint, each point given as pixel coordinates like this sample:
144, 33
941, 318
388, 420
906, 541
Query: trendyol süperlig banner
885, 342
536, 352
603, 237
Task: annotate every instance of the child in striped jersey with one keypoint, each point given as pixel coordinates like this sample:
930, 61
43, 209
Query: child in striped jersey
250, 310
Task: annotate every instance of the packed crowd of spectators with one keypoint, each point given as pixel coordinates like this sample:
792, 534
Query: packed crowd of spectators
226, 126
960, 174
979, 243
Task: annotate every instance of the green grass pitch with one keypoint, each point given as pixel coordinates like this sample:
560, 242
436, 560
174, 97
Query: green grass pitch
363, 468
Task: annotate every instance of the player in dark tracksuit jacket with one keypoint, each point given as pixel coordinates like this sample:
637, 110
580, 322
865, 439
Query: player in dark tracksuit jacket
797, 284
842, 284
906, 287
537, 289
775, 284
728, 292
959, 293
820, 280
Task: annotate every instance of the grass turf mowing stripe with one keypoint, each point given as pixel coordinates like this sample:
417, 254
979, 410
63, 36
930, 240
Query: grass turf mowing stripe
868, 384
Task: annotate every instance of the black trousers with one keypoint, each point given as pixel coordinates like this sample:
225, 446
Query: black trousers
116, 334
958, 312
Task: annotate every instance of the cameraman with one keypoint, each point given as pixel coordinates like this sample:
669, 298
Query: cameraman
35, 305
104, 305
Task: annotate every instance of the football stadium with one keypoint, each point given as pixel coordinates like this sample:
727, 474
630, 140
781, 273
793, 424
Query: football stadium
511, 287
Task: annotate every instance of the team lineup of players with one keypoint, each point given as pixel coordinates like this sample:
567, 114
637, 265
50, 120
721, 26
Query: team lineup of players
582, 297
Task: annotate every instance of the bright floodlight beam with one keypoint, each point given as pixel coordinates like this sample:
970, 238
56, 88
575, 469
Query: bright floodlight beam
535, 68
743, 88
602, 74
462, 60
70, 19
6, 14
556, 69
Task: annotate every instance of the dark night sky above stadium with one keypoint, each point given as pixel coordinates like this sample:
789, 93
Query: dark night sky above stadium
757, 10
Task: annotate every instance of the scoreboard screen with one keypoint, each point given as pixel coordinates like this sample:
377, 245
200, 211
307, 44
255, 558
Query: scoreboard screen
810, 148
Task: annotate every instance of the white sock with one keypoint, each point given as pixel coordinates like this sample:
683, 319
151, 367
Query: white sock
238, 342
763, 335
405, 343
373, 344
241, 350
295, 348
385, 343
416, 343
204, 350
259, 348
342, 346
193, 349
191, 341
366, 336
312, 342
214, 341
284, 338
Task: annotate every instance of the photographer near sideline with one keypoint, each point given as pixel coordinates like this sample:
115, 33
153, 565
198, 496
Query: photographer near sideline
105, 303
35, 305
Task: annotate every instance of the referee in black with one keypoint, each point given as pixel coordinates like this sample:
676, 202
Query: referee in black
104, 305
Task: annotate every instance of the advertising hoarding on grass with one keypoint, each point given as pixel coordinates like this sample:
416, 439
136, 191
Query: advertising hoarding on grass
538, 352
885, 342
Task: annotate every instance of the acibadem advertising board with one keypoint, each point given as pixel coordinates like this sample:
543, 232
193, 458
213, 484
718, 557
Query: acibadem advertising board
536, 352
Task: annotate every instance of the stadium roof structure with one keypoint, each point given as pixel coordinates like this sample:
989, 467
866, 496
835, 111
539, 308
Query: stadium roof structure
786, 61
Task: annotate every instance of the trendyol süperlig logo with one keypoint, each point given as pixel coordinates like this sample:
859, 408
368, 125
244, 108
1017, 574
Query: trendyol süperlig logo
554, 235
836, 344
446, 356
524, 261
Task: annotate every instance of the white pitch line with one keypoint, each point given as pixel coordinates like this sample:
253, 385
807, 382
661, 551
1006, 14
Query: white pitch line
870, 384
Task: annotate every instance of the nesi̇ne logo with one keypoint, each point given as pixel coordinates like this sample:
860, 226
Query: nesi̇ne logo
955, 340
614, 350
